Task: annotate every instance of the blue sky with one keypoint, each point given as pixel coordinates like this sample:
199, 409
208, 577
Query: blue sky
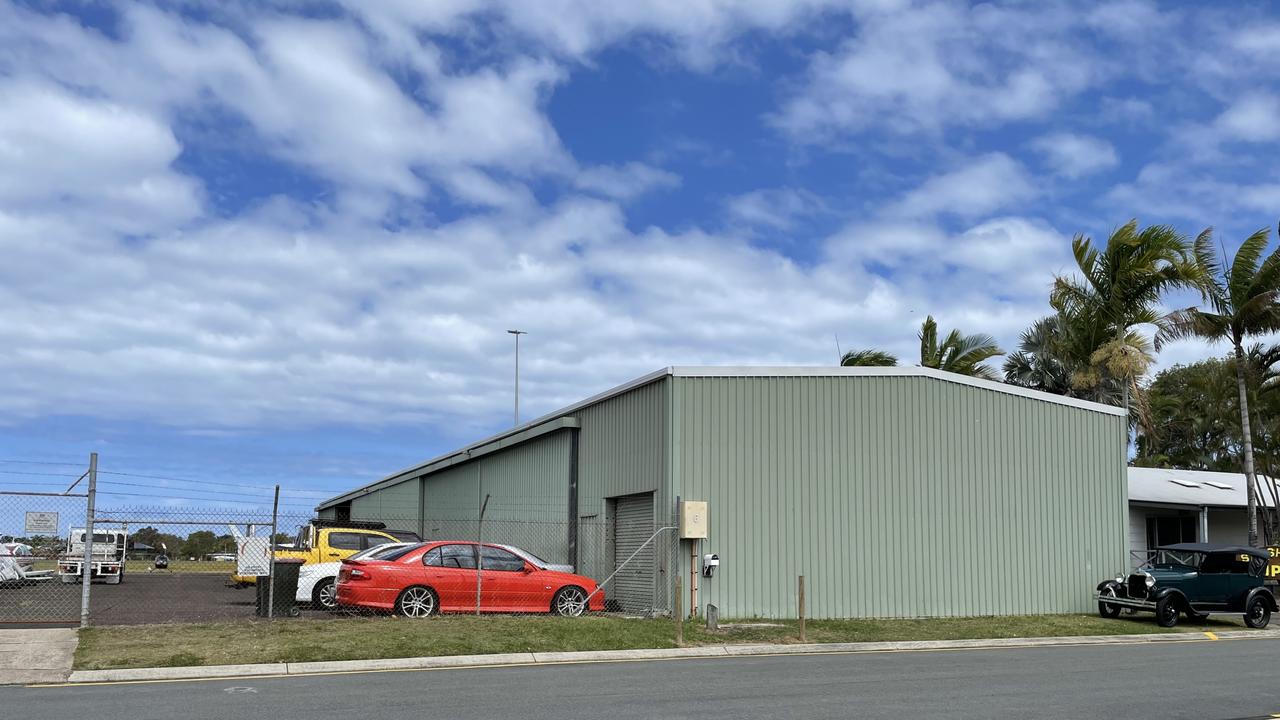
255, 242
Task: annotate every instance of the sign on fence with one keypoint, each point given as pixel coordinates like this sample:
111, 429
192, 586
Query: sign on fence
253, 556
41, 523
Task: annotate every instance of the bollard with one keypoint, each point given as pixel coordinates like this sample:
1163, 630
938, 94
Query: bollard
678, 613
801, 604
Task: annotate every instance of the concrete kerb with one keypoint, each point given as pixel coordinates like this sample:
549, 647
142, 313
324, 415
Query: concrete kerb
554, 658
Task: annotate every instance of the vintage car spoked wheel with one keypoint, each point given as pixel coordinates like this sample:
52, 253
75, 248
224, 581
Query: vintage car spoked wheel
1166, 612
1257, 614
570, 602
417, 602
1106, 609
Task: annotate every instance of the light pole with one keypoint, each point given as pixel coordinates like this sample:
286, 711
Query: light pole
517, 333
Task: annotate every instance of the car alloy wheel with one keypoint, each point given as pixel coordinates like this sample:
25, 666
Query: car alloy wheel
570, 602
1258, 614
417, 602
327, 594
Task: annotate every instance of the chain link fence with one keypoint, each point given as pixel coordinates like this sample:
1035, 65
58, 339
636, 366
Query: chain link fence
35, 533
189, 564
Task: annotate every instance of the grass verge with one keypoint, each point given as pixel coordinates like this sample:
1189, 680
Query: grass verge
389, 637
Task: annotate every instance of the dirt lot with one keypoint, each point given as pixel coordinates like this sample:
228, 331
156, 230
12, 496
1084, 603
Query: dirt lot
158, 597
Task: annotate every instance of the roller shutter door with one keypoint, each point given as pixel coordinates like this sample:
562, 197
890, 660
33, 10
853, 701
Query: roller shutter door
632, 526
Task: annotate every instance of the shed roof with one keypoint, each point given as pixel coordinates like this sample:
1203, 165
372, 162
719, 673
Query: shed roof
1191, 487
531, 428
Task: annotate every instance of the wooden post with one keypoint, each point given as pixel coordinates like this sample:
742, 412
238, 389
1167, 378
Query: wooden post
679, 615
800, 602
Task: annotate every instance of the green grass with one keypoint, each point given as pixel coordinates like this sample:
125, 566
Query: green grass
390, 637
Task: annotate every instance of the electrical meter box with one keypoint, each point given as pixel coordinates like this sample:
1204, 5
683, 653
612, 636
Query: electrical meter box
693, 520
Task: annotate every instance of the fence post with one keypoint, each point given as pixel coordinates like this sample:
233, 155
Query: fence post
801, 604
271, 558
679, 615
86, 567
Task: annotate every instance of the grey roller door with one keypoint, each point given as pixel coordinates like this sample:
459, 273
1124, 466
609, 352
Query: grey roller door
632, 526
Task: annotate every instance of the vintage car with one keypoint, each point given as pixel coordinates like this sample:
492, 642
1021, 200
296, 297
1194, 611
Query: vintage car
1194, 579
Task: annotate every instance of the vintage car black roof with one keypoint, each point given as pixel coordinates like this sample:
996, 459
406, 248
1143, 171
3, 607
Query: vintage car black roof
1214, 548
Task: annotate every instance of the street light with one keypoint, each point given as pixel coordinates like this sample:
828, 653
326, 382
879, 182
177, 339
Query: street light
517, 333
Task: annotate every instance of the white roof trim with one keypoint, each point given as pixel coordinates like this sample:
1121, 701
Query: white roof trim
901, 371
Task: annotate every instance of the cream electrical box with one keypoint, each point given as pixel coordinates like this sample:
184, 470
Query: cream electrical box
693, 520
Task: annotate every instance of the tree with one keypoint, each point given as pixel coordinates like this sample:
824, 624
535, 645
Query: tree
1242, 298
957, 353
1039, 363
199, 544
868, 358
1192, 407
1119, 289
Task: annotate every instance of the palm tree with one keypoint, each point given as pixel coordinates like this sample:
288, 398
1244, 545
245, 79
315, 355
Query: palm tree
1039, 363
868, 358
1242, 298
1120, 287
957, 353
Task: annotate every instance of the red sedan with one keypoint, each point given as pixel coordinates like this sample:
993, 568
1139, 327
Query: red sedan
441, 577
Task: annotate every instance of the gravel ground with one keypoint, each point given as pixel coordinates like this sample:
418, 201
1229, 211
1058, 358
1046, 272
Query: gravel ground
143, 598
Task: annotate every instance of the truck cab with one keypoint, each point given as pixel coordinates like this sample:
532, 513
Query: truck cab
332, 541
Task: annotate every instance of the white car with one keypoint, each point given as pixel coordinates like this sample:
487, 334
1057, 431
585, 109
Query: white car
316, 581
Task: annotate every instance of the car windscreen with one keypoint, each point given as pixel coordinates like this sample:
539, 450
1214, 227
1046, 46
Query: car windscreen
527, 555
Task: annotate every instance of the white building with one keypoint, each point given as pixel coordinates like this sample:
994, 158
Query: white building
1172, 506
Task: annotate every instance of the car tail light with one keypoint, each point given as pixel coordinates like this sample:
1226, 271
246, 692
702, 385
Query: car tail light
352, 574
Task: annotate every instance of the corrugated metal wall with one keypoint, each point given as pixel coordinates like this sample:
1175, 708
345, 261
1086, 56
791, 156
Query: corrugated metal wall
623, 450
397, 506
528, 488
898, 496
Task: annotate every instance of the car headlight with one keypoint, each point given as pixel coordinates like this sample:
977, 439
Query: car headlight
1150, 581
1119, 580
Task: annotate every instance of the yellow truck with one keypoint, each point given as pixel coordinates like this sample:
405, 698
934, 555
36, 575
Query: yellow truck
323, 541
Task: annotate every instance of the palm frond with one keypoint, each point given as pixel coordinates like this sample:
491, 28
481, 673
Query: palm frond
868, 358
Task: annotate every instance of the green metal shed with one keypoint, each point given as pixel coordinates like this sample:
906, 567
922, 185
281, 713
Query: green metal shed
896, 492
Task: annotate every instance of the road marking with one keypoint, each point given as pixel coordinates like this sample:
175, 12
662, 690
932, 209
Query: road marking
239, 690
1210, 635
1190, 639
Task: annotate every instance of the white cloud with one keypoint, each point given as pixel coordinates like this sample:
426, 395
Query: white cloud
1252, 118
937, 65
627, 181
63, 153
697, 30
1010, 256
979, 187
293, 314
1073, 156
315, 92
775, 208
1262, 39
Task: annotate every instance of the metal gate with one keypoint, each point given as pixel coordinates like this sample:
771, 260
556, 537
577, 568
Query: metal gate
632, 525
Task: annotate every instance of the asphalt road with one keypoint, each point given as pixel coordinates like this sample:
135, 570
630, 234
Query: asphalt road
1198, 681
